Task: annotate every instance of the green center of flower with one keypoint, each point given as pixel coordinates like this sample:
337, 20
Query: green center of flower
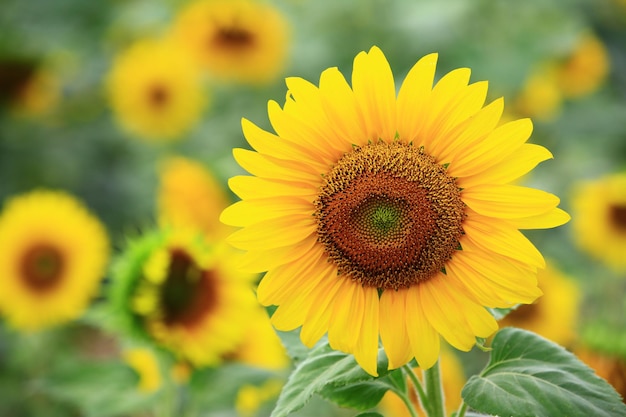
389, 216
617, 214
188, 292
42, 267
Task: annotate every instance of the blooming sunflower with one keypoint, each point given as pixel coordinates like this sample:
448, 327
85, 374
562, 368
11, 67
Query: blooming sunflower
600, 221
391, 214
584, 70
190, 197
174, 289
553, 316
54, 252
155, 90
239, 40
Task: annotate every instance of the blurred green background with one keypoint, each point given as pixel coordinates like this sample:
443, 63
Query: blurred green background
72, 142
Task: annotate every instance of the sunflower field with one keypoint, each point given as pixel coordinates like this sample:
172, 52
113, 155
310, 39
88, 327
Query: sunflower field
271, 208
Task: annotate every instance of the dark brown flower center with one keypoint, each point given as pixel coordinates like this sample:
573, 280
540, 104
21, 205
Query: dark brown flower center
188, 293
158, 96
389, 216
42, 267
233, 38
617, 214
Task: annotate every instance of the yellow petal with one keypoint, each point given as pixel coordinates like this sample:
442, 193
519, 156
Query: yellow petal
494, 235
413, 97
343, 331
521, 162
475, 284
318, 318
508, 201
268, 167
274, 233
366, 349
265, 259
246, 186
375, 94
248, 212
424, 338
553, 218
393, 331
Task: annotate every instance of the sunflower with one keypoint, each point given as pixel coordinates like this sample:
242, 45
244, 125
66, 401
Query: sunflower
540, 96
392, 215
238, 40
155, 90
190, 197
54, 253
554, 315
585, 69
453, 379
175, 289
600, 220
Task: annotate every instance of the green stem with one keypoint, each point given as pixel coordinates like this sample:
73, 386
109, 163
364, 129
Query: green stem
434, 391
406, 400
462, 410
419, 390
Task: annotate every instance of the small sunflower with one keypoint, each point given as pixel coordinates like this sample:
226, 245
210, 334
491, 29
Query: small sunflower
540, 97
190, 197
585, 69
183, 294
453, 379
239, 40
391, 214
600, 219
554, 315
54, 253
155, 90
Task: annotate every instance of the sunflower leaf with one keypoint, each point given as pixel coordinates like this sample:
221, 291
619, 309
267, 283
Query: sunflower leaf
528, 375
325, 370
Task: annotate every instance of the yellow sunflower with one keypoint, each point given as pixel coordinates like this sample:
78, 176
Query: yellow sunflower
585, 69
554, 315
185, 295
540, 96
453, 379
190, 197
600, 218
391, 214
54, 253
239, 40
155, 90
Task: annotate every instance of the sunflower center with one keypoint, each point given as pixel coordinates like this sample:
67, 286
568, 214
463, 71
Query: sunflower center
617, 214
388, 215
188, 293
158, 96
233, 38
42, 267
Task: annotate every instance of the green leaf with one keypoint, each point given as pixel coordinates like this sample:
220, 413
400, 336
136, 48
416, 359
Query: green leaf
322, 370
369, 414
360, 396
528, 375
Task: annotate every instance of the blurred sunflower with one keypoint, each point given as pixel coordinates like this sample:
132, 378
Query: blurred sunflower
239, 40
609, 367
250, 398
183, 294
600, 218
392, 215
554, 315
585, 69
540, 97
453, 381
190, 197
54, 253
155, 90
145, 364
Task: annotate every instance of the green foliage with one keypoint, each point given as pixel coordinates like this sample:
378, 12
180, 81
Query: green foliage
531, 376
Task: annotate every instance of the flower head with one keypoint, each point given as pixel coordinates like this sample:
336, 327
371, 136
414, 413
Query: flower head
239, 40
155, 91
585, 69
54, 253
175, 289
392, 215
600, 220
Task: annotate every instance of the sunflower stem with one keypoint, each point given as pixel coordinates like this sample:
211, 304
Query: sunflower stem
462, 409
419, 389
406, 400
434, 391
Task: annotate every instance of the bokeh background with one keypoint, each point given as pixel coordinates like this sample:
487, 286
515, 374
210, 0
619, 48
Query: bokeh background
63, 126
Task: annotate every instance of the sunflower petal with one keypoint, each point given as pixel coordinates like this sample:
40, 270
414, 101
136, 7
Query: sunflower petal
366, 349
344, 330
508, 201
393, 331
425, 343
